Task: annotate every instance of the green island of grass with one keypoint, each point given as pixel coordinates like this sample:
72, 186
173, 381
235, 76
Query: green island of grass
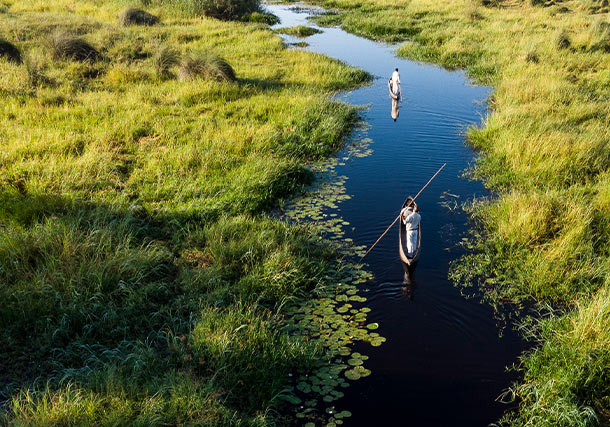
298, 31
545, 153
143, 279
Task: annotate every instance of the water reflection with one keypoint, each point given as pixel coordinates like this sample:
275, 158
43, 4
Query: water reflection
409, 285
395, 96
395, 109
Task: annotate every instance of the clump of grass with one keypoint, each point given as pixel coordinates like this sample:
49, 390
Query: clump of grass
10, 51
562, 39
206, 65
261, 18
36, 75
599, 36
67, 46
226, 9
299, 31
532, 56
567, 379
134, 16
473, 13
165, 58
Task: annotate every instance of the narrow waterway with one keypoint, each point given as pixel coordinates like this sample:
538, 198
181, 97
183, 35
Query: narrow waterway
444, 363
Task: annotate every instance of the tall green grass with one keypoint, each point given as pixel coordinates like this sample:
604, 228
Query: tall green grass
142, 280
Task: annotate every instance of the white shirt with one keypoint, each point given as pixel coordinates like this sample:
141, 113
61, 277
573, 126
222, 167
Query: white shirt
395, 78
410, 219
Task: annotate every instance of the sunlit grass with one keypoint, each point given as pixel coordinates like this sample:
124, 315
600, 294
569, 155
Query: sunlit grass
135, 241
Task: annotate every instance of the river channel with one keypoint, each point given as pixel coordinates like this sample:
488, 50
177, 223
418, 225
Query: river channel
444, 362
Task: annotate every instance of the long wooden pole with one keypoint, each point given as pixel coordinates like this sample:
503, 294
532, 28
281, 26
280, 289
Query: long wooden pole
394, 222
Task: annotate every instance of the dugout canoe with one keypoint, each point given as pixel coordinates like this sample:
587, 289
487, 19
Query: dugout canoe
408, 262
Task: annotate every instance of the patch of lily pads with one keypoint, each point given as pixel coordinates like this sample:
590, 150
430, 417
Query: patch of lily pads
337, 318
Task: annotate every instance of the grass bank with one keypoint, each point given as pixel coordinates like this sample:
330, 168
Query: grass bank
142, 280
545, 152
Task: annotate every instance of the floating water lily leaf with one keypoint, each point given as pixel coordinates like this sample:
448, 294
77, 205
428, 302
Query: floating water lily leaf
352, 374
372, 326
304, 387
354, 362
310, 425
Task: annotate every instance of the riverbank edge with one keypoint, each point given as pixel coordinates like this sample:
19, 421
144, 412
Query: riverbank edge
519, 253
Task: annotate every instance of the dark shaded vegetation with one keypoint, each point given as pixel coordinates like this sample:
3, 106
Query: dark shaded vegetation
68, 46
219, 9
10, 51
134, 16
261, 18
166, 58
206, 65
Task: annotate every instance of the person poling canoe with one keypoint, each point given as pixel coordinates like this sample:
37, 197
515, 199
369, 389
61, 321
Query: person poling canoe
409, 234
406, 204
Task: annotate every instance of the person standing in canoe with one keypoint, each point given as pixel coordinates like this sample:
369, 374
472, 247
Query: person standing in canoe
411, 218
396, 90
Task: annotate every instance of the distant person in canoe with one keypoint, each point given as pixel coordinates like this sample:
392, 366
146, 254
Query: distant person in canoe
411, 218
394, 85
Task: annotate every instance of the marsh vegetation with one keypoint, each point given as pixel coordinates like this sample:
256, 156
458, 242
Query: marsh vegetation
143, 281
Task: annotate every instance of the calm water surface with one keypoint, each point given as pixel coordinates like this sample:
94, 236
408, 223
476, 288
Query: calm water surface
443, 363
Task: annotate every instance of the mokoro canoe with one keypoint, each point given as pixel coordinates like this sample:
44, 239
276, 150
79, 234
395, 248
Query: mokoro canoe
402, 241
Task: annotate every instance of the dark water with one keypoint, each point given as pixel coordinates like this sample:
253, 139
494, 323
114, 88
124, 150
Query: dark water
443, 363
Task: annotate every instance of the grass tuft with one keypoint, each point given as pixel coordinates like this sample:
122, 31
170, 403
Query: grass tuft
225, 9
532, 56
35, 72
10, 51
134, 16
599, 36
562, 39
67, 46
261, 18
165, 59
208, 66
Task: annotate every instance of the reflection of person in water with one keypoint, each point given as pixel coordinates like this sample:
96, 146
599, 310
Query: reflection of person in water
409, 285
395, 109
395, 93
